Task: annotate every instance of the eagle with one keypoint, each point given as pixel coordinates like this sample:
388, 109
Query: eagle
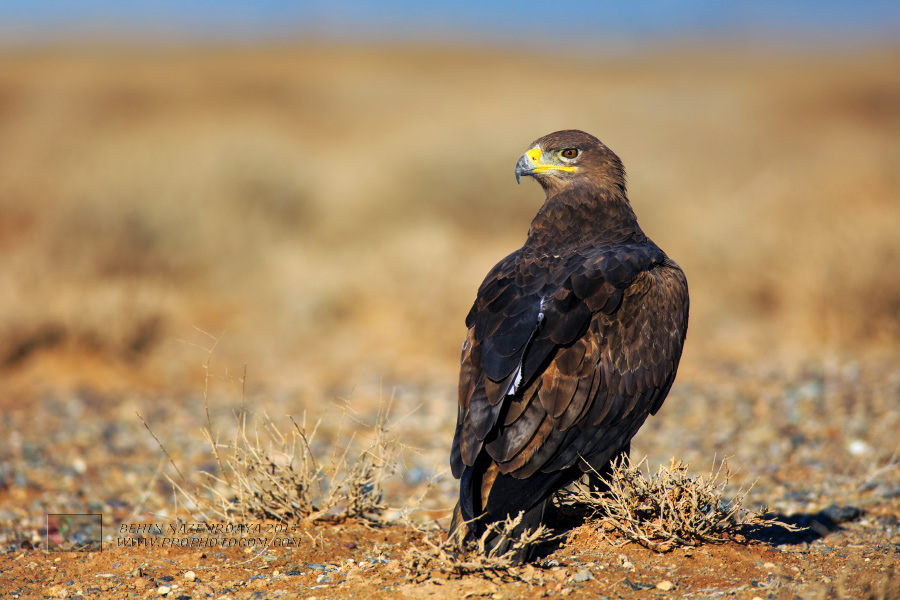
573, 340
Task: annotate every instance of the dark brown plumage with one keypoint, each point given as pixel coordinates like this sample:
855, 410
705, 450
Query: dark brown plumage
573, 340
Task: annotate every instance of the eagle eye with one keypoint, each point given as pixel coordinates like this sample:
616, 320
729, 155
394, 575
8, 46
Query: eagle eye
569, 153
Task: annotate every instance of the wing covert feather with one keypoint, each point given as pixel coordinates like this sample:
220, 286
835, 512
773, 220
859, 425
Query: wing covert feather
593, 356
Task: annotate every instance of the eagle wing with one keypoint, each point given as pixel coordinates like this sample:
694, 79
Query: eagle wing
562, 363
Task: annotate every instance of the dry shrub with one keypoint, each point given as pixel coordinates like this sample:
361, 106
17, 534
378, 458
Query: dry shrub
269, 474
667, 509
446, 557
275, 475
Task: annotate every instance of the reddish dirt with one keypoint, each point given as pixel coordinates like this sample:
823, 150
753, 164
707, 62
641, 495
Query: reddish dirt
352, 560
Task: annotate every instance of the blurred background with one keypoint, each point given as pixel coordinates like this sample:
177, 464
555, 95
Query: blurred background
328, 183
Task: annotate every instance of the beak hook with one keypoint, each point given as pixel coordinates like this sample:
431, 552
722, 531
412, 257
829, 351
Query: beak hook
525, 167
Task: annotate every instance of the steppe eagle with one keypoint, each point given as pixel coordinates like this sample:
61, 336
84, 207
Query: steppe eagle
573, 340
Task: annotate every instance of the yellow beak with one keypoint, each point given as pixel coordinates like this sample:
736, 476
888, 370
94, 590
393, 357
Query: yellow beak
530, 164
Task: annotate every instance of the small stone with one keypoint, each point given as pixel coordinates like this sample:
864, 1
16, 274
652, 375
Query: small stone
565, 591
858, 448
637, 585
393, 566
769, 565
582, 576
190, 576
391, 515
841, 514
665, 585
163, 590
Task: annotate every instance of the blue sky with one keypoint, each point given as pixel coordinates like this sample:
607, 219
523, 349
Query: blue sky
503, 20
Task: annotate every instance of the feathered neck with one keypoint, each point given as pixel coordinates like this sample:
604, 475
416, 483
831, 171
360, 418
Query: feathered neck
580, 216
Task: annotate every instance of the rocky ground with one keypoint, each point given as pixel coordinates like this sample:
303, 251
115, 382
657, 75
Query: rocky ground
826, 465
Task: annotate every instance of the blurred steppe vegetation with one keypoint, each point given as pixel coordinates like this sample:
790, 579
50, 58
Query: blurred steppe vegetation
334, 208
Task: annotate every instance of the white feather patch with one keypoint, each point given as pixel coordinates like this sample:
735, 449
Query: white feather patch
515, 384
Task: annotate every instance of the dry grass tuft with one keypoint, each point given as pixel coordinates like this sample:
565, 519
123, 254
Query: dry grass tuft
275, 475
270, 474
447, 558
667, 509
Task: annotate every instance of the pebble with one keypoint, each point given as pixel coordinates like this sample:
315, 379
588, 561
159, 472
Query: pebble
163, 590
841, 514
858, 448
665, 585
582, 575
190, 576
769, 565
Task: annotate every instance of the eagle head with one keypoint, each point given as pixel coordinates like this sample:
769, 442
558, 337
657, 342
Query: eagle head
570, 157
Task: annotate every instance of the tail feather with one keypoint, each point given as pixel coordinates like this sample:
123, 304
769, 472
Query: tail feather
487, 496
497, 543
